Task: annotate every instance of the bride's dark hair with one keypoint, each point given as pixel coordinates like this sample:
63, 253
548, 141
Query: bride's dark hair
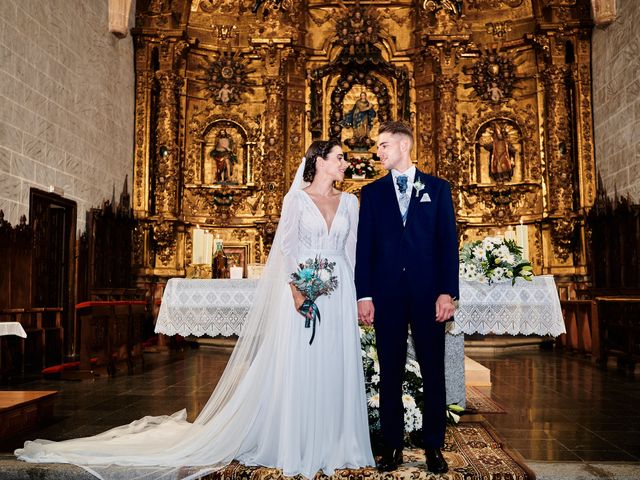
318, 148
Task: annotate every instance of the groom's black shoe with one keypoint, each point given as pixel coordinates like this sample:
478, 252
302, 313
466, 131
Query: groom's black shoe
435, 461
390, 460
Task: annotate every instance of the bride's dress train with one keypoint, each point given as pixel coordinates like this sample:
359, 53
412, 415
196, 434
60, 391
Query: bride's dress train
280, 402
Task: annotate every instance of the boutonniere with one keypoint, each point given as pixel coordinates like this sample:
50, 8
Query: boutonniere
418, 187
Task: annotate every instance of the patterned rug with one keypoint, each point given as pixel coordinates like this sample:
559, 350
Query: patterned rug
480, 402
471, 449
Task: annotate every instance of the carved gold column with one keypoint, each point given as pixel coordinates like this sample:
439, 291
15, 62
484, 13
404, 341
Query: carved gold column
559, 159
425, 114
559, 143
144, 86
167, 149
295, 113
584, 122
446, 100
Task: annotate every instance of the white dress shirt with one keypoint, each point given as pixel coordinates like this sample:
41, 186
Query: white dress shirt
410, 173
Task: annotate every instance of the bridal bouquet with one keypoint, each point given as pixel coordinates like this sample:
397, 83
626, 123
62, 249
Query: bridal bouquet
314, 278
493, 260
411, 387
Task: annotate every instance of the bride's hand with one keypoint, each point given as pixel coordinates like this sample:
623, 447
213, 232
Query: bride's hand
298, 298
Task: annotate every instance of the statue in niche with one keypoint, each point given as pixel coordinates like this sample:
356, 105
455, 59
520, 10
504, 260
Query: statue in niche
360, 119
501, 153
223, 158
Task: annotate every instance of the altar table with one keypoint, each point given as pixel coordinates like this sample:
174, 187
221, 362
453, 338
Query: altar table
218, 307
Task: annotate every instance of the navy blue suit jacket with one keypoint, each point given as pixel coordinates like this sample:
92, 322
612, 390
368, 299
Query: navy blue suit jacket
425, 249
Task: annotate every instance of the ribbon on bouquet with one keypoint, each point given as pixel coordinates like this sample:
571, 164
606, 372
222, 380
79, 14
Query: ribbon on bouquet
310, 311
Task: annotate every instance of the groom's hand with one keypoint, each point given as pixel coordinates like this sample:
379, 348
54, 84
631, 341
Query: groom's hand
445, 308
365, 312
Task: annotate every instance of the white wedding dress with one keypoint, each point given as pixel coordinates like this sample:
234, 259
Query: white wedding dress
280, 402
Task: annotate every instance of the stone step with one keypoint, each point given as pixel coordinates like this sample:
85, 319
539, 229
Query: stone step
476, 374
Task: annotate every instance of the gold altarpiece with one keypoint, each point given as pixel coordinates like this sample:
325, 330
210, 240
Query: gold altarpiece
230, 92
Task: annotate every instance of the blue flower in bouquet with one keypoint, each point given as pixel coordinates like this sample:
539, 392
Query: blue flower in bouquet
314, 278
306, 274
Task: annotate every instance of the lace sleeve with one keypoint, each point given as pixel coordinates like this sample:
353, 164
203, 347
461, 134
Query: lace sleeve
352, 237
288, 227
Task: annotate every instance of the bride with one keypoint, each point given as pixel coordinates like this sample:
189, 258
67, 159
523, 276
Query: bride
281, 402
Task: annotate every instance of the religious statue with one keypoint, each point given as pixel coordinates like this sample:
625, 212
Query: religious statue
360, 119
495, 92
225, 94
223, 158
501, 160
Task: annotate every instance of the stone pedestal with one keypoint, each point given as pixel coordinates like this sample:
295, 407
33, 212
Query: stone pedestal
454, 369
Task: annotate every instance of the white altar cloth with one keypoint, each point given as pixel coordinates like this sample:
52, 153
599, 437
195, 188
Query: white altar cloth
205, 307
12, 328
526, 308
218, 307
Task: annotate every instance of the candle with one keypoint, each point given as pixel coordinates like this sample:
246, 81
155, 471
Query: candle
235, 272
522, 238
207, 252
510, 234
197, 241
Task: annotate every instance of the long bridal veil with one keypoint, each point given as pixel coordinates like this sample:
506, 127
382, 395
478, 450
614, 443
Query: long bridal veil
170, 447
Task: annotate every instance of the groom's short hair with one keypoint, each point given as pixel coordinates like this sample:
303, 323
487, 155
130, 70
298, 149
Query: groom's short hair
396, 128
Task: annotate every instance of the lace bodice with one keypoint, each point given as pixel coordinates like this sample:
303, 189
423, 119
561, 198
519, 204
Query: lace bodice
305, 229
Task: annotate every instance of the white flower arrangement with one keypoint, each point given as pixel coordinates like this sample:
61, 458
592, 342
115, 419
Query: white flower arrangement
411, 388
493, 260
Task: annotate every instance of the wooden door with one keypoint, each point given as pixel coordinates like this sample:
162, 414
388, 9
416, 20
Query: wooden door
53, 220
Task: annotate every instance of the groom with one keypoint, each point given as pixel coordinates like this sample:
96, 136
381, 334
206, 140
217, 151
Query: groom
407, 276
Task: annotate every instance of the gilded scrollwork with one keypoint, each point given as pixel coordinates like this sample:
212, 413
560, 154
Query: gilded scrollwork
227, 77
563, 237
164, 241
499, 29
446, 98
167, 149
492, 4
502, 204
493, 77
559, 139
219, 205
240, 234
144, 81
451, 7
586, 115
357, 29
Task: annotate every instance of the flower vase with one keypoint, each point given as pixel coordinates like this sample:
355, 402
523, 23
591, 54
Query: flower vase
358, 177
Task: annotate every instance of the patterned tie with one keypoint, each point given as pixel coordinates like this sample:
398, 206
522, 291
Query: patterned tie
403, 200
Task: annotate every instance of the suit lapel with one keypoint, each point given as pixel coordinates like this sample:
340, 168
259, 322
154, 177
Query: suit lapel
391, 199
415, 199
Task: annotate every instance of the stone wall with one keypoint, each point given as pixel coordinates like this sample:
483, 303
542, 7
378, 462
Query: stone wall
66, 103
616, 90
